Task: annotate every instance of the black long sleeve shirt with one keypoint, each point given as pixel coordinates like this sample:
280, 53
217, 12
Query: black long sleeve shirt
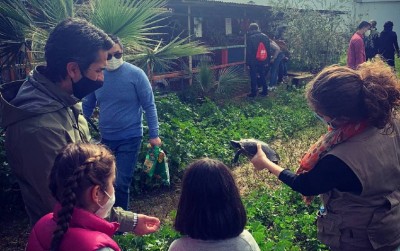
330, 172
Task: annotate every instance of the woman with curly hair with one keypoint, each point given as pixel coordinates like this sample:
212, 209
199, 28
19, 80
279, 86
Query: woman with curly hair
355, 166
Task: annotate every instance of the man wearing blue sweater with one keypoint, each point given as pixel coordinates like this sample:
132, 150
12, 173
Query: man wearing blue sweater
126, 93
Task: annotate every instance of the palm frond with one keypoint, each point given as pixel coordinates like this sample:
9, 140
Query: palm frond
205, 77
228, 77
15, 10
132, 21
164, 56
48, 13
15, 22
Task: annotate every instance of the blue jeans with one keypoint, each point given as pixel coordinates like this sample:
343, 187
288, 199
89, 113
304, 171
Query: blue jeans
282, 70
275, 69
255, 71
126, 152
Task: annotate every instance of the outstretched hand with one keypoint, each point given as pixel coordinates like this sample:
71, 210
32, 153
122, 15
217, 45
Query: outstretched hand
146, 225
259, 160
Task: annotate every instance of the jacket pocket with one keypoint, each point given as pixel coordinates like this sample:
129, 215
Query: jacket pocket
328, 229
384, 228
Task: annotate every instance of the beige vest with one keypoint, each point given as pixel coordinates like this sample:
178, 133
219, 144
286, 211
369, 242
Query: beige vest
373, 216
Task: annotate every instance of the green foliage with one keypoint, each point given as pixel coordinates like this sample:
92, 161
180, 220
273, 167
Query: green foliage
281, 221
215, 83
159, 241
8, 185
315, 38
194, 130
132, 21
161, 56
25, 25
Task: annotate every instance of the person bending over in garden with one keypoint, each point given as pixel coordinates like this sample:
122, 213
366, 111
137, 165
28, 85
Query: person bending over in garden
43, 115
355, 166
210, 212
356, 50
82, 182
123, 98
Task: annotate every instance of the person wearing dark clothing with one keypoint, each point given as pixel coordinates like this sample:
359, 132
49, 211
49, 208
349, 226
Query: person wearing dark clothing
279, 38
388, 43
257, 68
372, 41
355, 165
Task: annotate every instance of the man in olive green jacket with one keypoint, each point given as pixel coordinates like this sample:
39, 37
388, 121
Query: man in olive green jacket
43, 114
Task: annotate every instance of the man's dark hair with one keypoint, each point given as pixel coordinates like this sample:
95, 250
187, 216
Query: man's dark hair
116, 40
363, 24
210, 207
253, 27
388, 24
373, 23
73, 40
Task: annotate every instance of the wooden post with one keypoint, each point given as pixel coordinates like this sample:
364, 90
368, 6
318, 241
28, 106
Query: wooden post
224, 56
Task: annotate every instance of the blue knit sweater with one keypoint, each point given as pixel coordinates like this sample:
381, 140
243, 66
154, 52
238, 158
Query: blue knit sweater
126, 93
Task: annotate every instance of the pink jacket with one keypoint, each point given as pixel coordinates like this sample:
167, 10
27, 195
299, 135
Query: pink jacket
86, 232
356, 51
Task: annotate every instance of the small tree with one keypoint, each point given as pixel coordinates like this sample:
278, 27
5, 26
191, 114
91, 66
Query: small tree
316, 36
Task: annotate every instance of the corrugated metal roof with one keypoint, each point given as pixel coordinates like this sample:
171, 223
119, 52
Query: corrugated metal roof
247, 2
233, 2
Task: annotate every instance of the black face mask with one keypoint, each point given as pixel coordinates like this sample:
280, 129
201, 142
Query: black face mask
85, 86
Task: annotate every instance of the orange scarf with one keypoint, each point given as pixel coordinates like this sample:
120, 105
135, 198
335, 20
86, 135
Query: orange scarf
327, 142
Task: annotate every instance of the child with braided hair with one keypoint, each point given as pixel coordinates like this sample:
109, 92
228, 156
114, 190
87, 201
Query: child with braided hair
81, 180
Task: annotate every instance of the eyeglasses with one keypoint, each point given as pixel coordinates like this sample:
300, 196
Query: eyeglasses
117, 55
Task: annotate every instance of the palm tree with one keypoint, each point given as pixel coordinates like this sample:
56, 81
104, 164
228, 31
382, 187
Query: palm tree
164, 56
15, 24
24, 28
135, 23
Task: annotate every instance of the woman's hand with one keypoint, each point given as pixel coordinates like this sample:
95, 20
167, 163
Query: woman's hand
259, 160
146, 225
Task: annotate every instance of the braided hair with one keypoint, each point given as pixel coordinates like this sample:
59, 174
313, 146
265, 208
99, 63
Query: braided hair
78, 167
370, 93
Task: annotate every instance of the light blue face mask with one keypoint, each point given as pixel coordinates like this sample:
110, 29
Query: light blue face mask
325, 122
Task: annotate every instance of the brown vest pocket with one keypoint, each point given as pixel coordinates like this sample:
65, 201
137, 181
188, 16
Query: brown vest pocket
328, 230
384, 229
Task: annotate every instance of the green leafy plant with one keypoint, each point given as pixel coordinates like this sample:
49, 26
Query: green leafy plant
304, 20
209, 82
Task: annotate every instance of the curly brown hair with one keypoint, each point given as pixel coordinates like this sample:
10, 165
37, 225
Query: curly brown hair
78, 167
371, 93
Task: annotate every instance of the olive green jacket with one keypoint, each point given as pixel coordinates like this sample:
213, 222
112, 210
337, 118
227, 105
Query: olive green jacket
40, 118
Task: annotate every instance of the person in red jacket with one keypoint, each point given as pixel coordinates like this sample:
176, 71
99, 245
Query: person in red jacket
82, 181
356, 50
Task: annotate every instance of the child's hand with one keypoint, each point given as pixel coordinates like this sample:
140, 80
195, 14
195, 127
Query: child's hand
146, 225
